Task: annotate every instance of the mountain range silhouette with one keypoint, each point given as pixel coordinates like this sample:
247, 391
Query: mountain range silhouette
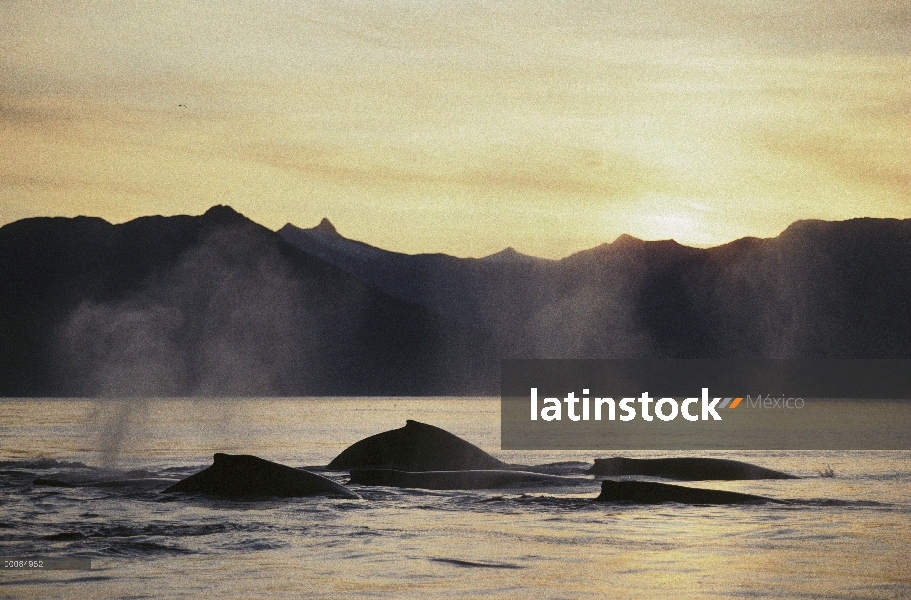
219, 305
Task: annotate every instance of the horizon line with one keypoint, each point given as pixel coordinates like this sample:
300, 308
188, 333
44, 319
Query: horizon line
623, 237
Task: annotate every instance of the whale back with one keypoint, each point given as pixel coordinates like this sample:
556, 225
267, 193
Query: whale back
457, 480
685, 468
649, 492
415, 447
244, 476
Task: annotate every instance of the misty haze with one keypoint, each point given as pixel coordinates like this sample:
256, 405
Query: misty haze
218, 305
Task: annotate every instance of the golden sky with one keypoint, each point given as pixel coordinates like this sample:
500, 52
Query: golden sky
461, 127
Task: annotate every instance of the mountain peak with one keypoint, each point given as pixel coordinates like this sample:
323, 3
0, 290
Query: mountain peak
510, 255
220, 210
507, 252
626, 239
223, 214
327, 227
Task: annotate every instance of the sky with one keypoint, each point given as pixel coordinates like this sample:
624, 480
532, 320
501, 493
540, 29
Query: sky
461, 127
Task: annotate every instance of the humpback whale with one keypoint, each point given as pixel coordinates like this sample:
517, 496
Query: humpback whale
415, 447
456, 480
685, 469
245, 476
648, 492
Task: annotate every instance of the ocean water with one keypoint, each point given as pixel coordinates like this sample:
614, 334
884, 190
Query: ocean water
847, 536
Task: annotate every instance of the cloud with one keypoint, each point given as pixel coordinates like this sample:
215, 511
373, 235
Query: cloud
858, 162
509, 168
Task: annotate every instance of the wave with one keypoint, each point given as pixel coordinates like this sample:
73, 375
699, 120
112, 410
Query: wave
44, 463
474, 564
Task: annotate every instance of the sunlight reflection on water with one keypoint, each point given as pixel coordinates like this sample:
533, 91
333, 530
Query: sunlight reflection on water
402, 543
